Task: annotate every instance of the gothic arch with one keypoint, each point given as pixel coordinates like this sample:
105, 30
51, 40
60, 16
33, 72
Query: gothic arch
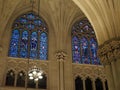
96, 17
12, 17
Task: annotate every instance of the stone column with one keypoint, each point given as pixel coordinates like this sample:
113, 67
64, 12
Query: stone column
26, 80
93, 85
60, 55
84, 88
118, 72
114, 58
104, 53
15, 80
115, 76
109, 75
61, 75
103, 82
116, 63
47, 82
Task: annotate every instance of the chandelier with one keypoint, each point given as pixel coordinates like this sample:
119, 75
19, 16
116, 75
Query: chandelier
35, 73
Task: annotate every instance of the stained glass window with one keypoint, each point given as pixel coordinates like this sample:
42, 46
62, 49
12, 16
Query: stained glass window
84, 51
76, 49
84, 43
14, 43
10, 78
43, 46
29, 37
24, 44
93, 51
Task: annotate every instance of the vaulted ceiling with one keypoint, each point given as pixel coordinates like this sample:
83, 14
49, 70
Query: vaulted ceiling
104, 15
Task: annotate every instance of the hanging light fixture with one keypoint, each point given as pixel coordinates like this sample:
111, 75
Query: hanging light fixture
35, 73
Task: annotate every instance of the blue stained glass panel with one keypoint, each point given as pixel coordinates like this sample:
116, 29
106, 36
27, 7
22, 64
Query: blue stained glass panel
86, 27
14, 43
76, 50
30, 26
93, 51
24, 45
23, 20
88, 44
33, 45
38, 22
25, 40
31, 16
85, 54
43, 46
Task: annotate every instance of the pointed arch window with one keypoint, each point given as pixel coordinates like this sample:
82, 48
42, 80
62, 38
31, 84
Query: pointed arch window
78, 83
98, 84
21, 79
84, 43
88, 84
29, 37
10, 78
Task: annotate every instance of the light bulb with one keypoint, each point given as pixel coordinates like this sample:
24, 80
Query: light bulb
11, 73
40, 73
21, 74
36, 79
30, 74
40, 77
34, 72
31, 78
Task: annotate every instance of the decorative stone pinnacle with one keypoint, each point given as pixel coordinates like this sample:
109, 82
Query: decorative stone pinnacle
60, 55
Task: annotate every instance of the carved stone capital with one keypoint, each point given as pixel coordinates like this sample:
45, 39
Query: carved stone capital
117, 53
104, 60
115, 44
61, 55
111, 56
109, 51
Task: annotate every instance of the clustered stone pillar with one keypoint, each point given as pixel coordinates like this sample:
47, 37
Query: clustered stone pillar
109, 54
60, 56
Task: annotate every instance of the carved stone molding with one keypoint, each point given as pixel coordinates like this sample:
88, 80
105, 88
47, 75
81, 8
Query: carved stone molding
23, 65
109, 51
60, 55
91, 71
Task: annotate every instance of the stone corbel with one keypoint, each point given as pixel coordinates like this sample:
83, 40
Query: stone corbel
61, 55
